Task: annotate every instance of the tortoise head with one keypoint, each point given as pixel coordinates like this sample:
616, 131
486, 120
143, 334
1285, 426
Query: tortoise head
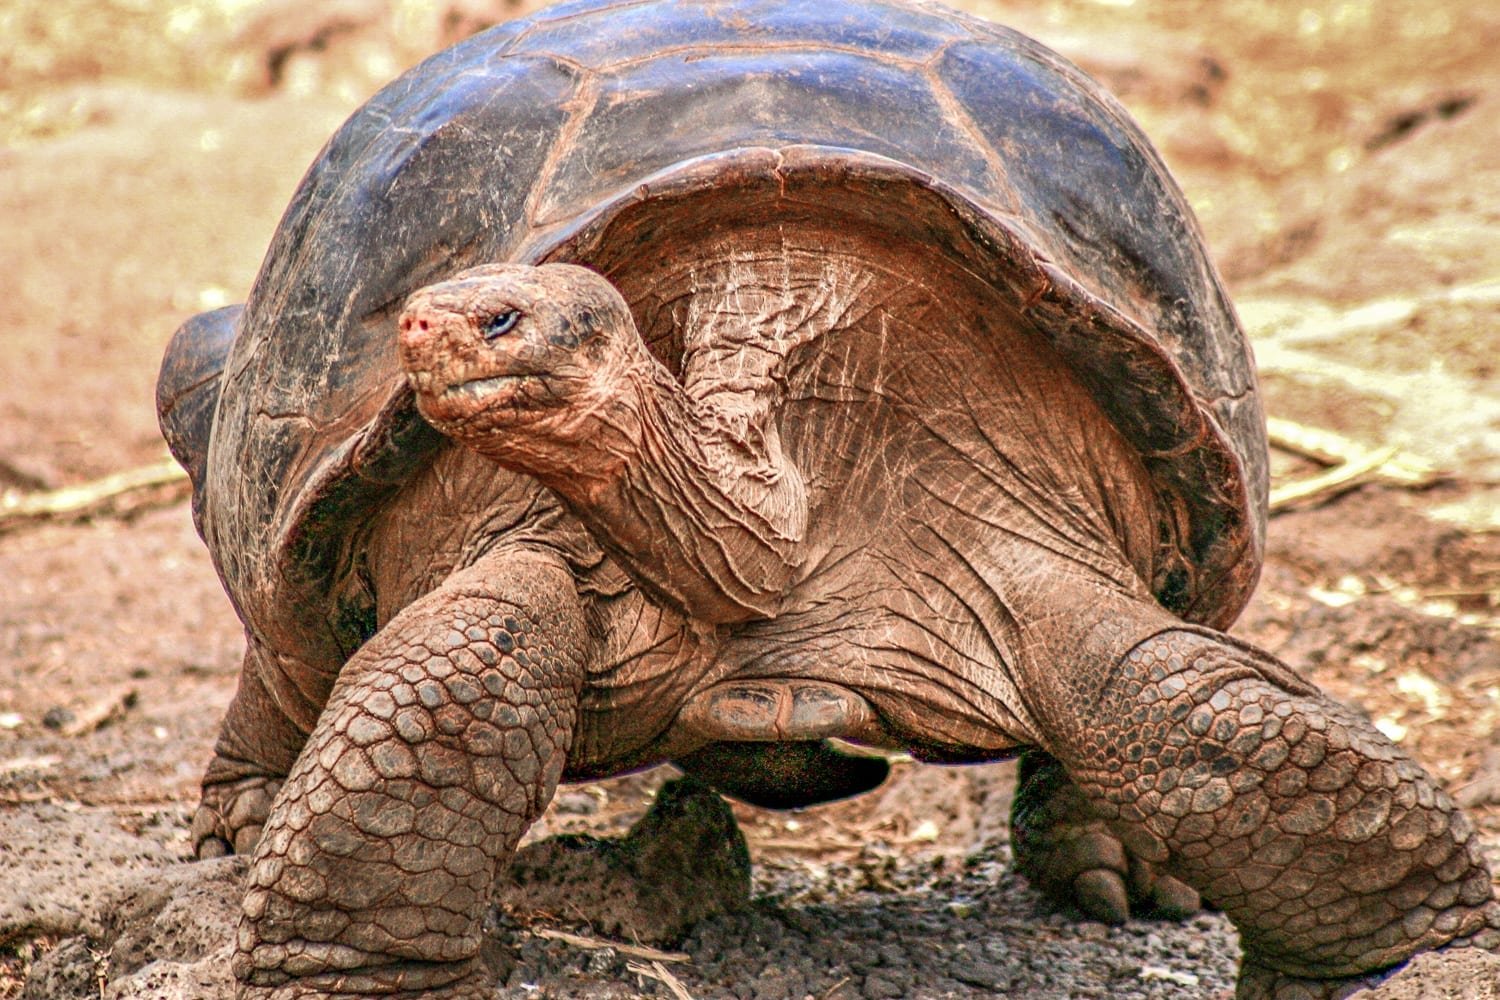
505, 354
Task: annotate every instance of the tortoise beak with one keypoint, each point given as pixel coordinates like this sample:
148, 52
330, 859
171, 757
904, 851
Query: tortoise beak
459, 378
418, 343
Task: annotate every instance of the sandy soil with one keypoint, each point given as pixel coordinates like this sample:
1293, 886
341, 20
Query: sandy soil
1341, 158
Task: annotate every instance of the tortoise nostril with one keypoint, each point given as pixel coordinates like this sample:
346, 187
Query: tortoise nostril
412, 331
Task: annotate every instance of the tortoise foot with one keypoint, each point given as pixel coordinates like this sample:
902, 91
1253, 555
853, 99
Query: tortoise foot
682, 862
1067, 851
442, 740
231, 815
1260, 983
1468, 967
1334, 854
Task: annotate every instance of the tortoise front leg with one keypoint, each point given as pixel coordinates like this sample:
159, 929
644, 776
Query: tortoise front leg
443, 740
1332, 851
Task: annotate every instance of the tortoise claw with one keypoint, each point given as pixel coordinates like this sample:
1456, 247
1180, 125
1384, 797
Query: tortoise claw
1173, 899
1070, 854
1109, 897
1100, 893
231, 815
210, 847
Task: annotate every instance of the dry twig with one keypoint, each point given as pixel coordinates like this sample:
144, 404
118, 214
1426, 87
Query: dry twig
834, 988
633, 950
1328, 448
88, 498
659, 972
95, 715
1330, 482
1351, 463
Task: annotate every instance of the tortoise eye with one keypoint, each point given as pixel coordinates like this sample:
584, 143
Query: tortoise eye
500, 324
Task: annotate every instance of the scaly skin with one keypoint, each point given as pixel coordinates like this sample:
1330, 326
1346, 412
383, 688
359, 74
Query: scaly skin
443, 740
1331, 850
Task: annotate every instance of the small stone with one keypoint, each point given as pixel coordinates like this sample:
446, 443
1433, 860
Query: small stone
54, 718
602, 962
576, 803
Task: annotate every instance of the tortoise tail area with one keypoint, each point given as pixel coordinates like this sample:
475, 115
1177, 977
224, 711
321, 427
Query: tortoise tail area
187, 389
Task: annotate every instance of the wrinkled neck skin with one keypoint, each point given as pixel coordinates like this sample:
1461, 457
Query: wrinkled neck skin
685, 483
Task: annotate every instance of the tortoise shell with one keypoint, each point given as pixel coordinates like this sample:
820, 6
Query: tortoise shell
596, 132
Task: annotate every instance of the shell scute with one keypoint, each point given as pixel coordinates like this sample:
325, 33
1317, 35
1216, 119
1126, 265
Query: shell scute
387, 208
1108, 212
651, 30
742, 99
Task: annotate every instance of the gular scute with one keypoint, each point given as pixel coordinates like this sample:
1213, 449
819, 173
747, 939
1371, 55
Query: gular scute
716, 382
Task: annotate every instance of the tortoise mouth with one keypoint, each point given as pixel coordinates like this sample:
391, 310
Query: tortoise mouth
485, 388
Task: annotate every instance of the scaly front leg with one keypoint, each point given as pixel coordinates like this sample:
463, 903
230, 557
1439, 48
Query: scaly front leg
1333, 852
444, 739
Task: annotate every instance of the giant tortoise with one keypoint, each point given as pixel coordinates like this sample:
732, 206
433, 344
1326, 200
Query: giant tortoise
701, 382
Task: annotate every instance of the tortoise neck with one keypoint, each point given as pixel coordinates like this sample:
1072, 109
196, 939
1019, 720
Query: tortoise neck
701, 502
688, 487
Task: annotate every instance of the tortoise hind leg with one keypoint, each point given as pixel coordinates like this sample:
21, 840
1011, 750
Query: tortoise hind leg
443, 739
258, 742
1066, 849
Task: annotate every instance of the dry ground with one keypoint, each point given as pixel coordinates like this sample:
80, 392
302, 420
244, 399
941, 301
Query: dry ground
1341, 156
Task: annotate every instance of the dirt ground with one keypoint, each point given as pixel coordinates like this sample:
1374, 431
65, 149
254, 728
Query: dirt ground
1341, 156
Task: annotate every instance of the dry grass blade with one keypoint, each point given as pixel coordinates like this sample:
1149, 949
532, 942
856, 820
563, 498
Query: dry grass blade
1328, 448
1330, 483
88, 498
659, 972
633, 950
835, 987
1352, 463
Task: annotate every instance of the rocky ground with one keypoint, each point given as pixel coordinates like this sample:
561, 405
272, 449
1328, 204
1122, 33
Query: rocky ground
1341, 158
